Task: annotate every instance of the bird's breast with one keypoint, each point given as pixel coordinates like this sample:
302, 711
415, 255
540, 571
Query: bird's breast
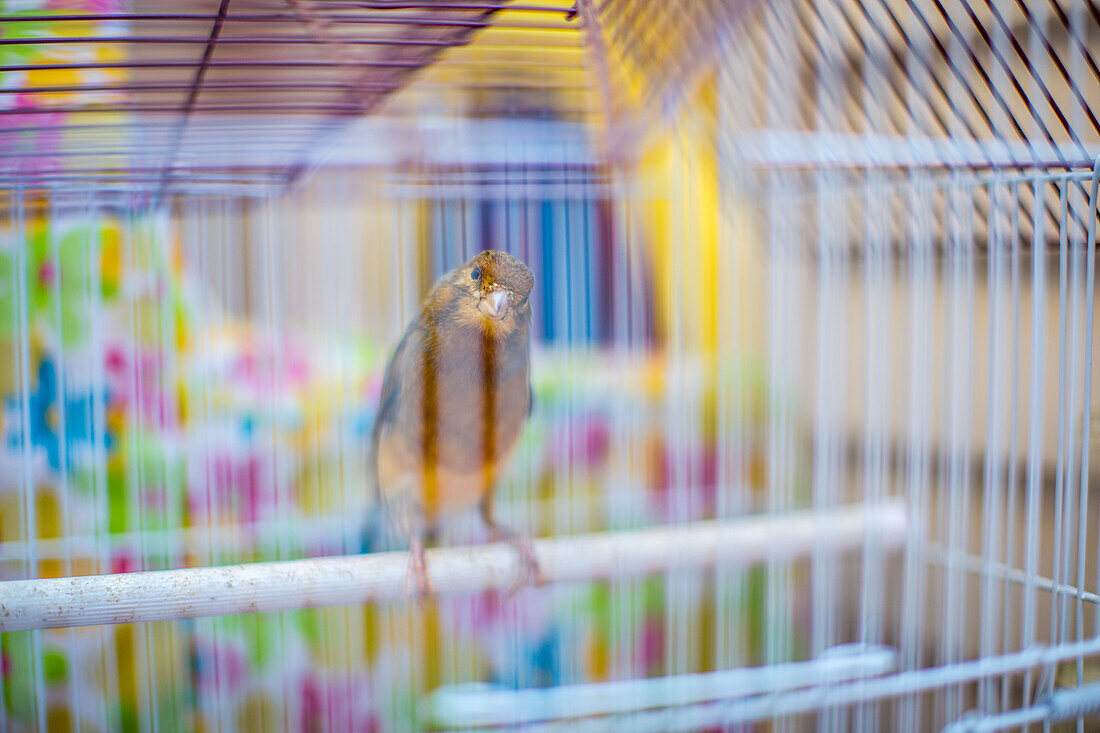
464, 407
481, 408
458, 424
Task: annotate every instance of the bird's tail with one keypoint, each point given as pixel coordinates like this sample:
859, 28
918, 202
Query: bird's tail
375, 533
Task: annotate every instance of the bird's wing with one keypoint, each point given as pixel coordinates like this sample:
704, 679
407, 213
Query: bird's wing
391, 384
376, 535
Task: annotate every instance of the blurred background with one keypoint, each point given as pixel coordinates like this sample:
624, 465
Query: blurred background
789, 257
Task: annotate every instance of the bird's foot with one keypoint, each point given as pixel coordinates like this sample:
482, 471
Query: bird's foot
418, 573
529, 571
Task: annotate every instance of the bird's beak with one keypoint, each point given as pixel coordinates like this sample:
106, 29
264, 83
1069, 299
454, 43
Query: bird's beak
495, 304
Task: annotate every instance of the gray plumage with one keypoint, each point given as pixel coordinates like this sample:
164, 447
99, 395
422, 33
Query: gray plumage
455, 397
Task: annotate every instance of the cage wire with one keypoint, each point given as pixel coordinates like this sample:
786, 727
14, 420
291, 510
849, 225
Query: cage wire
811, 334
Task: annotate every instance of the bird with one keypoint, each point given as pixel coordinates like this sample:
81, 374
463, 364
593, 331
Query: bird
456, 395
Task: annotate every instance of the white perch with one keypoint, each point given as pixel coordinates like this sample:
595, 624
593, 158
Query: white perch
337, 581
477, 704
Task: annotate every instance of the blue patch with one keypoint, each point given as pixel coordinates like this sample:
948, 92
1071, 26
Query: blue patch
45, 411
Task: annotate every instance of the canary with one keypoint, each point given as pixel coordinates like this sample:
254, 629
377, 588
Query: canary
455, 398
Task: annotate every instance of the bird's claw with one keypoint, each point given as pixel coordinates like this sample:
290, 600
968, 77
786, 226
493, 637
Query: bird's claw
418, 573
530, 573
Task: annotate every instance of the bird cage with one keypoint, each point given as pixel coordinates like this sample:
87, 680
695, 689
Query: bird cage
811, 362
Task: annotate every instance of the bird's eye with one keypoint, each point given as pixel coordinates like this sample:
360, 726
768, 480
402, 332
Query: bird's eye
475, 274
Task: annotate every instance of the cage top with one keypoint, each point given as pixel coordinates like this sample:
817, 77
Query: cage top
150, 98
162, 97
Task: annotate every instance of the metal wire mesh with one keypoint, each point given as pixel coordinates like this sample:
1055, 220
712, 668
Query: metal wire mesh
215, 93
794, 260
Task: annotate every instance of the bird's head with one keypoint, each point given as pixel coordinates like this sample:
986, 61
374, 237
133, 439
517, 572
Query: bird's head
497, 285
